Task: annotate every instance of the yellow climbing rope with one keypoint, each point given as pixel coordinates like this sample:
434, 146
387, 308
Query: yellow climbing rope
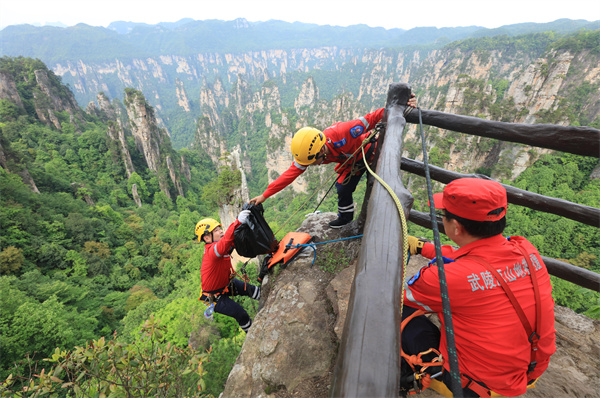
404, 227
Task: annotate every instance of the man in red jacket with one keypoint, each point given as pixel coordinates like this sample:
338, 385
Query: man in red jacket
336, 144
217, 273
502, 344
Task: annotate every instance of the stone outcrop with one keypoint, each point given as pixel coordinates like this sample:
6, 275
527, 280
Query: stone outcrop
291, 348
116, 130
51, 99
151, 140
8, 89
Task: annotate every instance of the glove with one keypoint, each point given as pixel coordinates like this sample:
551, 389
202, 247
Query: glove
415, 245
243, 216
312, 214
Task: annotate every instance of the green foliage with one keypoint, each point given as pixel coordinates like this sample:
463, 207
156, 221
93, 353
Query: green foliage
221, 190
583, 40
11, 260
220, 362
148, 367
334, 261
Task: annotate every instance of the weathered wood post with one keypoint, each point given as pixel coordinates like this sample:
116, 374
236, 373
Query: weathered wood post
368, 361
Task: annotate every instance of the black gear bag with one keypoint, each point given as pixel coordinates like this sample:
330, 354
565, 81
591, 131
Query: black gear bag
254, 237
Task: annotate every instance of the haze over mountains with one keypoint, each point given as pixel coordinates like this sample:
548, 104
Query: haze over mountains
185, 37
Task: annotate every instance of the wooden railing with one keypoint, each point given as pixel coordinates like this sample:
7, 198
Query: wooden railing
368, 359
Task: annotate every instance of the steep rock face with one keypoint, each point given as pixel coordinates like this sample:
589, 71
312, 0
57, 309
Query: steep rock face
8, 89
153, 141
50, 99
308, 97
116, 130
144, 128
182, 99
291, 348
292, 345
229, 211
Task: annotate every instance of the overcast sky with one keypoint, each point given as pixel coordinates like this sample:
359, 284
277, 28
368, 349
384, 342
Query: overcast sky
384, 13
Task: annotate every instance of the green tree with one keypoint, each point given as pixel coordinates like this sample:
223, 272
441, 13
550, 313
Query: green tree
11, 260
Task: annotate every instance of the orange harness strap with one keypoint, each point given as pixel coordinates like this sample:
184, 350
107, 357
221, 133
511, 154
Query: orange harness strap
415, 360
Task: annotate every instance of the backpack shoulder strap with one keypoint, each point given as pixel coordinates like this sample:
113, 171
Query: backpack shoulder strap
533, 335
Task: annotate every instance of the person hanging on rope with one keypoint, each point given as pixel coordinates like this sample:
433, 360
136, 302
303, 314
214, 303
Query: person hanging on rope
336, 144
503, 343
217, 274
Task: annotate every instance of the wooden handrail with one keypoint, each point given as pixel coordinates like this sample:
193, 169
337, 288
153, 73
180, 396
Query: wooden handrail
578, 140
584, 214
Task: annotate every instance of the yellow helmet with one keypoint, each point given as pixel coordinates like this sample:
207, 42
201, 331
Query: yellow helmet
206, 226
306, 144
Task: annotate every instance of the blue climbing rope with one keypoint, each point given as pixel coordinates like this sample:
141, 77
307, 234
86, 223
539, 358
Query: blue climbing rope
312, 246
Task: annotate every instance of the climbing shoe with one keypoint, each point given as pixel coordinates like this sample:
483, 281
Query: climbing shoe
339, 223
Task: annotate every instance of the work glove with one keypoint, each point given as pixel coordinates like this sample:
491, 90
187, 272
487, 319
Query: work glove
243, 216
415, 245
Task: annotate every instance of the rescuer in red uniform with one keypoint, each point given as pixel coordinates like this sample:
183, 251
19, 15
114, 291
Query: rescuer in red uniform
497, 349
335, 144
217, 273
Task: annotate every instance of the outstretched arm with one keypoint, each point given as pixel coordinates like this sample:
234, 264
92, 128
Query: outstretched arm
281, 182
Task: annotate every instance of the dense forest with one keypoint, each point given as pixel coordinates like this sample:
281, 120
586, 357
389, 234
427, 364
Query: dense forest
81, 265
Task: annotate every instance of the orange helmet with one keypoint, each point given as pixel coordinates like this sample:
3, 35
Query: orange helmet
306, 144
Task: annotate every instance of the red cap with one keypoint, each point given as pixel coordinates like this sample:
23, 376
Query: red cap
473, 199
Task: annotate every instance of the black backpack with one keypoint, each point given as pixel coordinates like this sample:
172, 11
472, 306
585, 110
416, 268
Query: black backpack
254, 237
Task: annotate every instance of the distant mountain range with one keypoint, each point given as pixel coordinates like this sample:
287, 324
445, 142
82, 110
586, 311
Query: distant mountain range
187, 37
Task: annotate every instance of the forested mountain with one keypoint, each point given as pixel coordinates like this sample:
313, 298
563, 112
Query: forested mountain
99, 197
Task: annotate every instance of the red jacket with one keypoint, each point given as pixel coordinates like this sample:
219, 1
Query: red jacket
343, 139
491, 342
216, 264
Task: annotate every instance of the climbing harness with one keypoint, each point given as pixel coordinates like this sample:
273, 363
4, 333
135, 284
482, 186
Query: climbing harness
420, 379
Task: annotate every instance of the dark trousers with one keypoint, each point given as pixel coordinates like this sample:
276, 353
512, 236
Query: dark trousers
419, 335
226, 306
345, 201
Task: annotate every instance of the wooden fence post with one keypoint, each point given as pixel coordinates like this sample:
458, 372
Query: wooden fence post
368, 362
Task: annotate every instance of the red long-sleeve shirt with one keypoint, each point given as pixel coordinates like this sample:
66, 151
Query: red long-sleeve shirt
491, 342
342, 140
216, 264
